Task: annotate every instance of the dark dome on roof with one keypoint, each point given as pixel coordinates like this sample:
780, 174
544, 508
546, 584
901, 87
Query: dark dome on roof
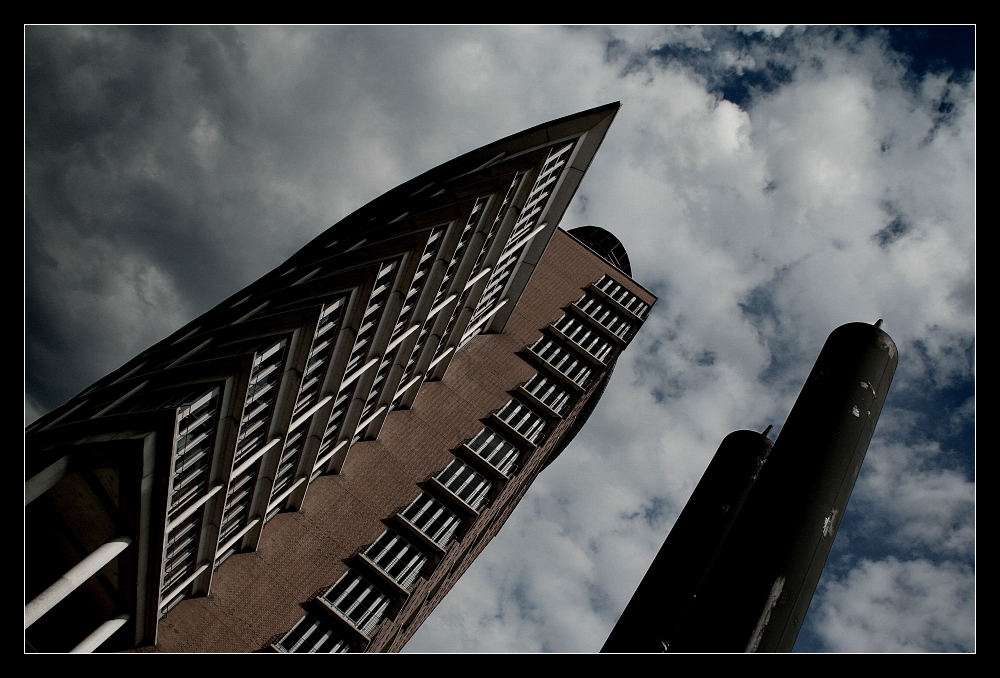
606, 245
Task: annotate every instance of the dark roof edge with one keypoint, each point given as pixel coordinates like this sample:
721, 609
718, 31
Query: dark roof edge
513, 144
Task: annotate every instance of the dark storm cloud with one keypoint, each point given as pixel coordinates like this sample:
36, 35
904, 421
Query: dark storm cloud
111, 174
163, 154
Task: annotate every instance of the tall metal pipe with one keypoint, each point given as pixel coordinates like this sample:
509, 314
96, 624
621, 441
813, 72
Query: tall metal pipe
672, 581
757, 592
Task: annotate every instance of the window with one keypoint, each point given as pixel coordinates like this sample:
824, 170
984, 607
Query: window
430, 516
492, 447
562, 360
196, 423
548, 392
397, 558
522, 419
603, 314
359, 601
632, 303
589, 341
464, 483
312, 634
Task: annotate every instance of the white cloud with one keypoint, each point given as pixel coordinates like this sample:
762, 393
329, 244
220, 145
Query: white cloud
899, 606
915, 502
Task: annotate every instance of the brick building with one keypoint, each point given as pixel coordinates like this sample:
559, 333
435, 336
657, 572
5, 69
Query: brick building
310, 466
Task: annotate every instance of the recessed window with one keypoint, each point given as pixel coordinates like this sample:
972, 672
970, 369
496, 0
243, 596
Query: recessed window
562, 360
495, 449
359, 601
548, 392
397, 557
310, 635
522, 419
430, 516
464, 483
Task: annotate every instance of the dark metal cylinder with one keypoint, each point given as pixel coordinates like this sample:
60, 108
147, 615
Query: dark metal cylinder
761, 583
672, 581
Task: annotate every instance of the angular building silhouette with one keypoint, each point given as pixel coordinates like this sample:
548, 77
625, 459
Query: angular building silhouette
311, 465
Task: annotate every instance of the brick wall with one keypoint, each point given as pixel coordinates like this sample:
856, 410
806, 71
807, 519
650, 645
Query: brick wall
258, 596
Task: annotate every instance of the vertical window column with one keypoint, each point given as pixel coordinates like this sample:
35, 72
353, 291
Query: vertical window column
355, 364
261, 393
312, 381
196, 424
517, 240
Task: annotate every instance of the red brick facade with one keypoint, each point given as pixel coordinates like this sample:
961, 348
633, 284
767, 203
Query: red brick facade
257, 597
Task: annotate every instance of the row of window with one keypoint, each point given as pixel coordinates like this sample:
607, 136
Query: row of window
565, 361
359, 601
584, 337
620, 294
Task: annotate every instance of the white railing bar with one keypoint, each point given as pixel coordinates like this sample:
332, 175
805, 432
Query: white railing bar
326, 457
370, 419
308, 413
479, 276
239, 535
485, 319
183, 585
434, 311
284, 495
100, 634
72, 580
361, 370
253, 457
398, 340
186, 513
440, 358
408, 386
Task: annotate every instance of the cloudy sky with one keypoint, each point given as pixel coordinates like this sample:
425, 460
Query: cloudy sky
769, 184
